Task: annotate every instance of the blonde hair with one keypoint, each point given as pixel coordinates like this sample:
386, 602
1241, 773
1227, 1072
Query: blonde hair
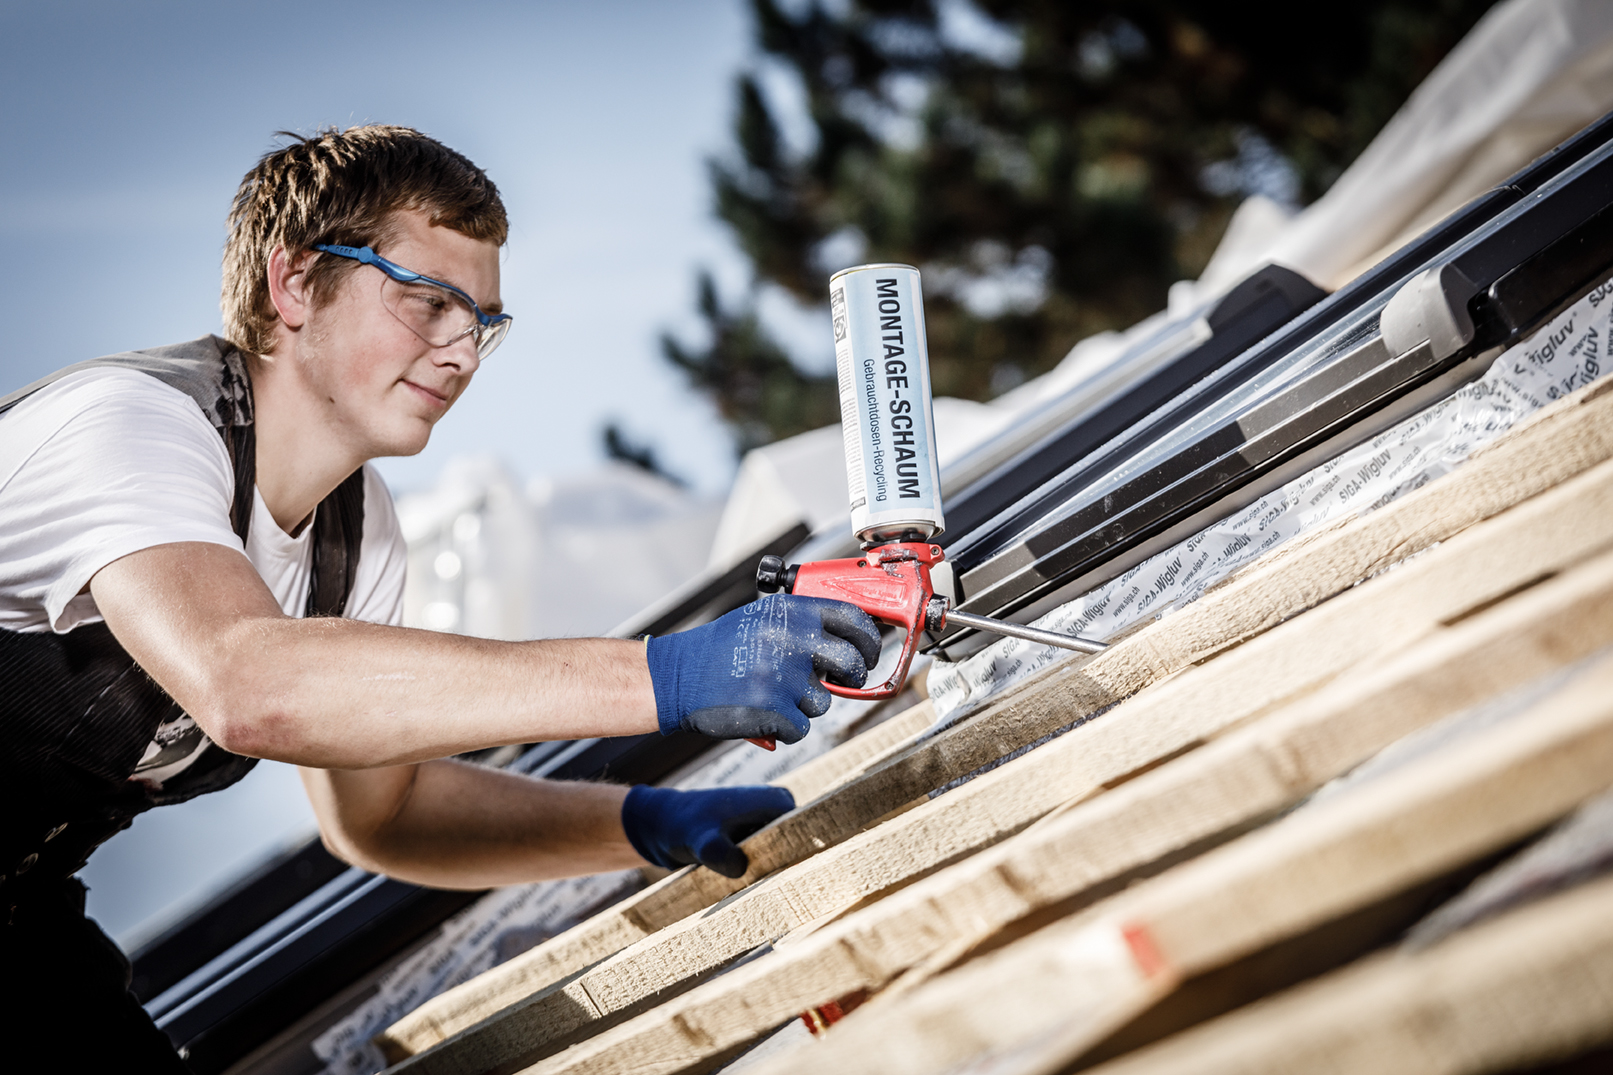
341, 187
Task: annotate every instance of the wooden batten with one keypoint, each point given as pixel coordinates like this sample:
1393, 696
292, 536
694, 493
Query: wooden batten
1000, 909
669, 900
1529, 988
851, 759
1237, 781
1456, 805
1222, 684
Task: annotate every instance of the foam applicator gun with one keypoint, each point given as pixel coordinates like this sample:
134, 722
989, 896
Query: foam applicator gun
893, 475
891, 582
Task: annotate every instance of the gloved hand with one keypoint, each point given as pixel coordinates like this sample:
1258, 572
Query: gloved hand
676, 828
750, 674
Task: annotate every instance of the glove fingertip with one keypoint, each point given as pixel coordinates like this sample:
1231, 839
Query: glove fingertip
814, 703
871, 645
838, 661
723, 856
861, 630
797, 729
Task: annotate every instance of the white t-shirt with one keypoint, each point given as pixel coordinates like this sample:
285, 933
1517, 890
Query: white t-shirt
106, 462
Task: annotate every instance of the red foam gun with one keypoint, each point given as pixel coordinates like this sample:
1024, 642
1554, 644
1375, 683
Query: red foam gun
891, 582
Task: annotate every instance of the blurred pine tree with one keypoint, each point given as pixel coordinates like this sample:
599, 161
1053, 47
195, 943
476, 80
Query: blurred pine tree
1052, 167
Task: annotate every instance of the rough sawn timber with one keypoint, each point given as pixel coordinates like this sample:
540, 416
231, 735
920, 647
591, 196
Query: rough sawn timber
1540, 537
637, 916
1536, 538
1531, 987
850, 759
1220, 788
1447, 809
1560, 441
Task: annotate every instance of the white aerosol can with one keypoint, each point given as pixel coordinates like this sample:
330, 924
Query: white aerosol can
883, 361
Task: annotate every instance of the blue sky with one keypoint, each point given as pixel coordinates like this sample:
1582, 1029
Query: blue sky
128, 126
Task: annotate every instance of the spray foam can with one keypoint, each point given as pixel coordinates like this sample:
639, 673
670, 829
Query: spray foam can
883, 361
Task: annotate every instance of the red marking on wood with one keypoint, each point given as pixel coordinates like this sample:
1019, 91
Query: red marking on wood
827, 1015
1144, 950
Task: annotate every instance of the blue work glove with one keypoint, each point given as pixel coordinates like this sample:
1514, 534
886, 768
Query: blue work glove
750, 674
679, 828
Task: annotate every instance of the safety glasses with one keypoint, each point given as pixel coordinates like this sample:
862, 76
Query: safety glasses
438, 313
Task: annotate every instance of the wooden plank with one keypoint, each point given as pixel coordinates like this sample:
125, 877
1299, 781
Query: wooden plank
1512, 549
1008, 1012
1559, 442
850, 759
1533, 986
1576, 434
1542, 536
682, 893
1229, 783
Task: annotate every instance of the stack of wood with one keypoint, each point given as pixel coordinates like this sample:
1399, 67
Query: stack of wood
1185, 879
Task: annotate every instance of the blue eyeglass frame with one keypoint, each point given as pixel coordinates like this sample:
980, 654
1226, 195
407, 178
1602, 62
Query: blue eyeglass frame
367, 256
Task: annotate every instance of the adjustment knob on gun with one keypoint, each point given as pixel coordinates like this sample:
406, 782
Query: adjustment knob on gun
772, 576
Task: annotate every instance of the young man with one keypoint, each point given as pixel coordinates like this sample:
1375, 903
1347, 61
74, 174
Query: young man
198, 569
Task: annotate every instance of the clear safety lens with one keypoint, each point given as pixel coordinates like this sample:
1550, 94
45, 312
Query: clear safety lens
492, 336
440, 316
436, 314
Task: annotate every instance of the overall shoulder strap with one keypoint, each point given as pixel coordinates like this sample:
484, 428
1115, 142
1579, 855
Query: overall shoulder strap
214, 373
208, 369
338, 536
211, 371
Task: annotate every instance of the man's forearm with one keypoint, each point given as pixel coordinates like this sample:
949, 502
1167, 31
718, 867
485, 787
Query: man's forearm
454, 825
340, 694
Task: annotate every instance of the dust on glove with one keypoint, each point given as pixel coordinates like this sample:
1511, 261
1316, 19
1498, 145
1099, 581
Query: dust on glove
678, 828
754, 672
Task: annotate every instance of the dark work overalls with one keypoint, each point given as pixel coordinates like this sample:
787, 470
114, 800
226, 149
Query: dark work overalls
78, 713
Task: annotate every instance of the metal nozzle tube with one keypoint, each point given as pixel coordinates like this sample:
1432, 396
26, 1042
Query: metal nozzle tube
1030, 634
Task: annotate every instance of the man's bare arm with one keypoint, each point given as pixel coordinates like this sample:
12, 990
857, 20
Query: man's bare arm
455, 825
339, 694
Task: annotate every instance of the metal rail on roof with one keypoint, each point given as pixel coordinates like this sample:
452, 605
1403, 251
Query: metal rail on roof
1320, 386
